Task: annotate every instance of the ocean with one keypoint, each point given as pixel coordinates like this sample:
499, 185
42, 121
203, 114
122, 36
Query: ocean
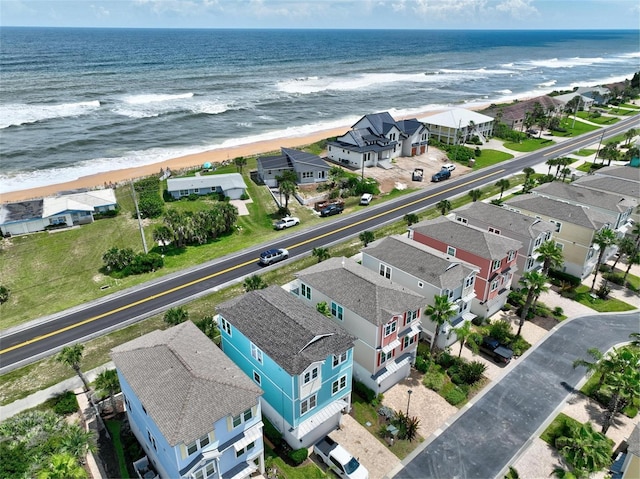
76, 102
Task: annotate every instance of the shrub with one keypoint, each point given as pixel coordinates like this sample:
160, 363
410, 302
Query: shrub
244, 196
434, 379
477, 152
145, 263
150, 206
364, 392
193, 197
478, 321
501, 330
447, 360
558, 276
272, 434
558, 311
377, 400
454, 394
472, 372
603, 291
519, 345
66, 403
422, 365
614, 278
298, 456
423, 350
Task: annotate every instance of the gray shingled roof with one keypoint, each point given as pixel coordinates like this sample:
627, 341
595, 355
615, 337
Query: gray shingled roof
467, 238
21, 211
625, 172
361, 290
420, 261
380, 122
185, 382
560, 210
504, 219
409, 127
304, 158
284, 328
277, 162
629, 189
584, 196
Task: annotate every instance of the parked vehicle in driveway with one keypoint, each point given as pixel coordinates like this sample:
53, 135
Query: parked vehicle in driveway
499, 352
331, 210
286, 222
441, 175
273, 256
366, 198
449, 166
341, 462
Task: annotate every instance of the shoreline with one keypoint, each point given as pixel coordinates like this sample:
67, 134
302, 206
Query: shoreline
114, 177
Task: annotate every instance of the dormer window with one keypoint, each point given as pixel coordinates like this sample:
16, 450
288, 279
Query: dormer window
494, 230
512, 254
310, 375
496, 265
390, 328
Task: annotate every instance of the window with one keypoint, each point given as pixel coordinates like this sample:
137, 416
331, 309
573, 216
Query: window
530, 263
385, 271
560, 245
462, 220
339, 385
558, 225
243, 417
184, 192
307, 174
226, 327
338, 360
496, 265
336, 311
245, 449
494, 285
196, 190
411, 315
197, 444
390, 328
408, 340
512, 254
451, 251
256, 353
152, 440
420, 284
308, 404
310, 375
469, 281
207, 471
538, 241
494, 230
257, 378
384, 357
306, 291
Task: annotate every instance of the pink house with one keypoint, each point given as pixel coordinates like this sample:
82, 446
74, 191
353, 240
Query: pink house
495, 256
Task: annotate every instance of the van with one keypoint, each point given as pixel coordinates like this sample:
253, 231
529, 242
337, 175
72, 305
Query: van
366, 198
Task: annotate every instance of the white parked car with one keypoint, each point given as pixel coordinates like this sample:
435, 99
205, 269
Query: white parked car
286, 222
449, 166
366, 198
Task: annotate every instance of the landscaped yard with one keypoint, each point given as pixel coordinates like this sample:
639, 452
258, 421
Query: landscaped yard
585, 152
530, 144
490, 157
573, 128
611, 305
600, 120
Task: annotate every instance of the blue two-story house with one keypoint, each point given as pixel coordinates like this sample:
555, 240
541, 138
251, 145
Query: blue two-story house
195, 413
301, 360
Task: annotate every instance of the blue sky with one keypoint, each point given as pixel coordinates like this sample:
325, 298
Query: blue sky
373, 14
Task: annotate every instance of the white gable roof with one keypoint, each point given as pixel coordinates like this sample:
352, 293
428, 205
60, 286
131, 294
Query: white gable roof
456, 118
53, 206
226, 181
94, 198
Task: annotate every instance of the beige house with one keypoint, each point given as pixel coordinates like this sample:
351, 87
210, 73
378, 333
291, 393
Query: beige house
575, 228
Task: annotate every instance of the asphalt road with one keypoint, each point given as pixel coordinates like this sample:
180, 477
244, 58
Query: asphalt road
483, 441
45, 336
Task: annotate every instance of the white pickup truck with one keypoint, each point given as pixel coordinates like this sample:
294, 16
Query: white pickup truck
339, 460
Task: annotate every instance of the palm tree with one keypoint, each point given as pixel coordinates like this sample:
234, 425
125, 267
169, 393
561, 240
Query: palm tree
77, 441
603, 238
626, 247
629, 134
503, 184
72, 356
561, 473
444, 206
535, 283
551, 255
162, 235
411, 218
475, 194
585, 449
175, 316
565, 172
440, 312
551, 162
253, 283
240, 162
108, 382
528, 171
62, 466
287, 185
321, 254
367, 237
512, 473
635, 231
598, 366
631, 260
466, 335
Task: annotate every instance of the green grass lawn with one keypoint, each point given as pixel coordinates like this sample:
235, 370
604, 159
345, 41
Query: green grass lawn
585, 152
114, 431
600, 120
491, 157
581, 295
306, 470
634, 281
631, 105
530, 144
557, 429
573, 128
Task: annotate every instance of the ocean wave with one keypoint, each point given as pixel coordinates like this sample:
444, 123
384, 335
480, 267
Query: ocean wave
547, 84
506, 91
15, 114
567, 62
154, 105
310, 85
144, 99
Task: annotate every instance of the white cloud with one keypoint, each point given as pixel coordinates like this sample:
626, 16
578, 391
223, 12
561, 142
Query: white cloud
100, 11
517, 8
445, 8
399, 6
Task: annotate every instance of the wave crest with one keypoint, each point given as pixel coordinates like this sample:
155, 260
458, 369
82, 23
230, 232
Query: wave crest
15, 114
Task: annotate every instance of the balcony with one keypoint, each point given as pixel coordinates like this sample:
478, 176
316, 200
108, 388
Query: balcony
144, 469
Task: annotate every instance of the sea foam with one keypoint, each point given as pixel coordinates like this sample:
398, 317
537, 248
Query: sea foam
15, 114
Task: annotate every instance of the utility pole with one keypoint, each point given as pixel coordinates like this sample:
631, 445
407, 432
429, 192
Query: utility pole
135, 202
598, 150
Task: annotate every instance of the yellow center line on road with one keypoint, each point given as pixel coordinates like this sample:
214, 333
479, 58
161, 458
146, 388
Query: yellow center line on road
199, 280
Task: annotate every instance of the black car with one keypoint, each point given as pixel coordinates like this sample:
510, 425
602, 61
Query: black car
331, 210
499, 352
441, 175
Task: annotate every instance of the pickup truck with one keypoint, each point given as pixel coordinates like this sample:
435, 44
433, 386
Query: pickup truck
443, 174
499, 352
339, 460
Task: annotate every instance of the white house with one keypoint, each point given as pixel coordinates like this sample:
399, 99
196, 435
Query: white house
457, 125
230, 185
